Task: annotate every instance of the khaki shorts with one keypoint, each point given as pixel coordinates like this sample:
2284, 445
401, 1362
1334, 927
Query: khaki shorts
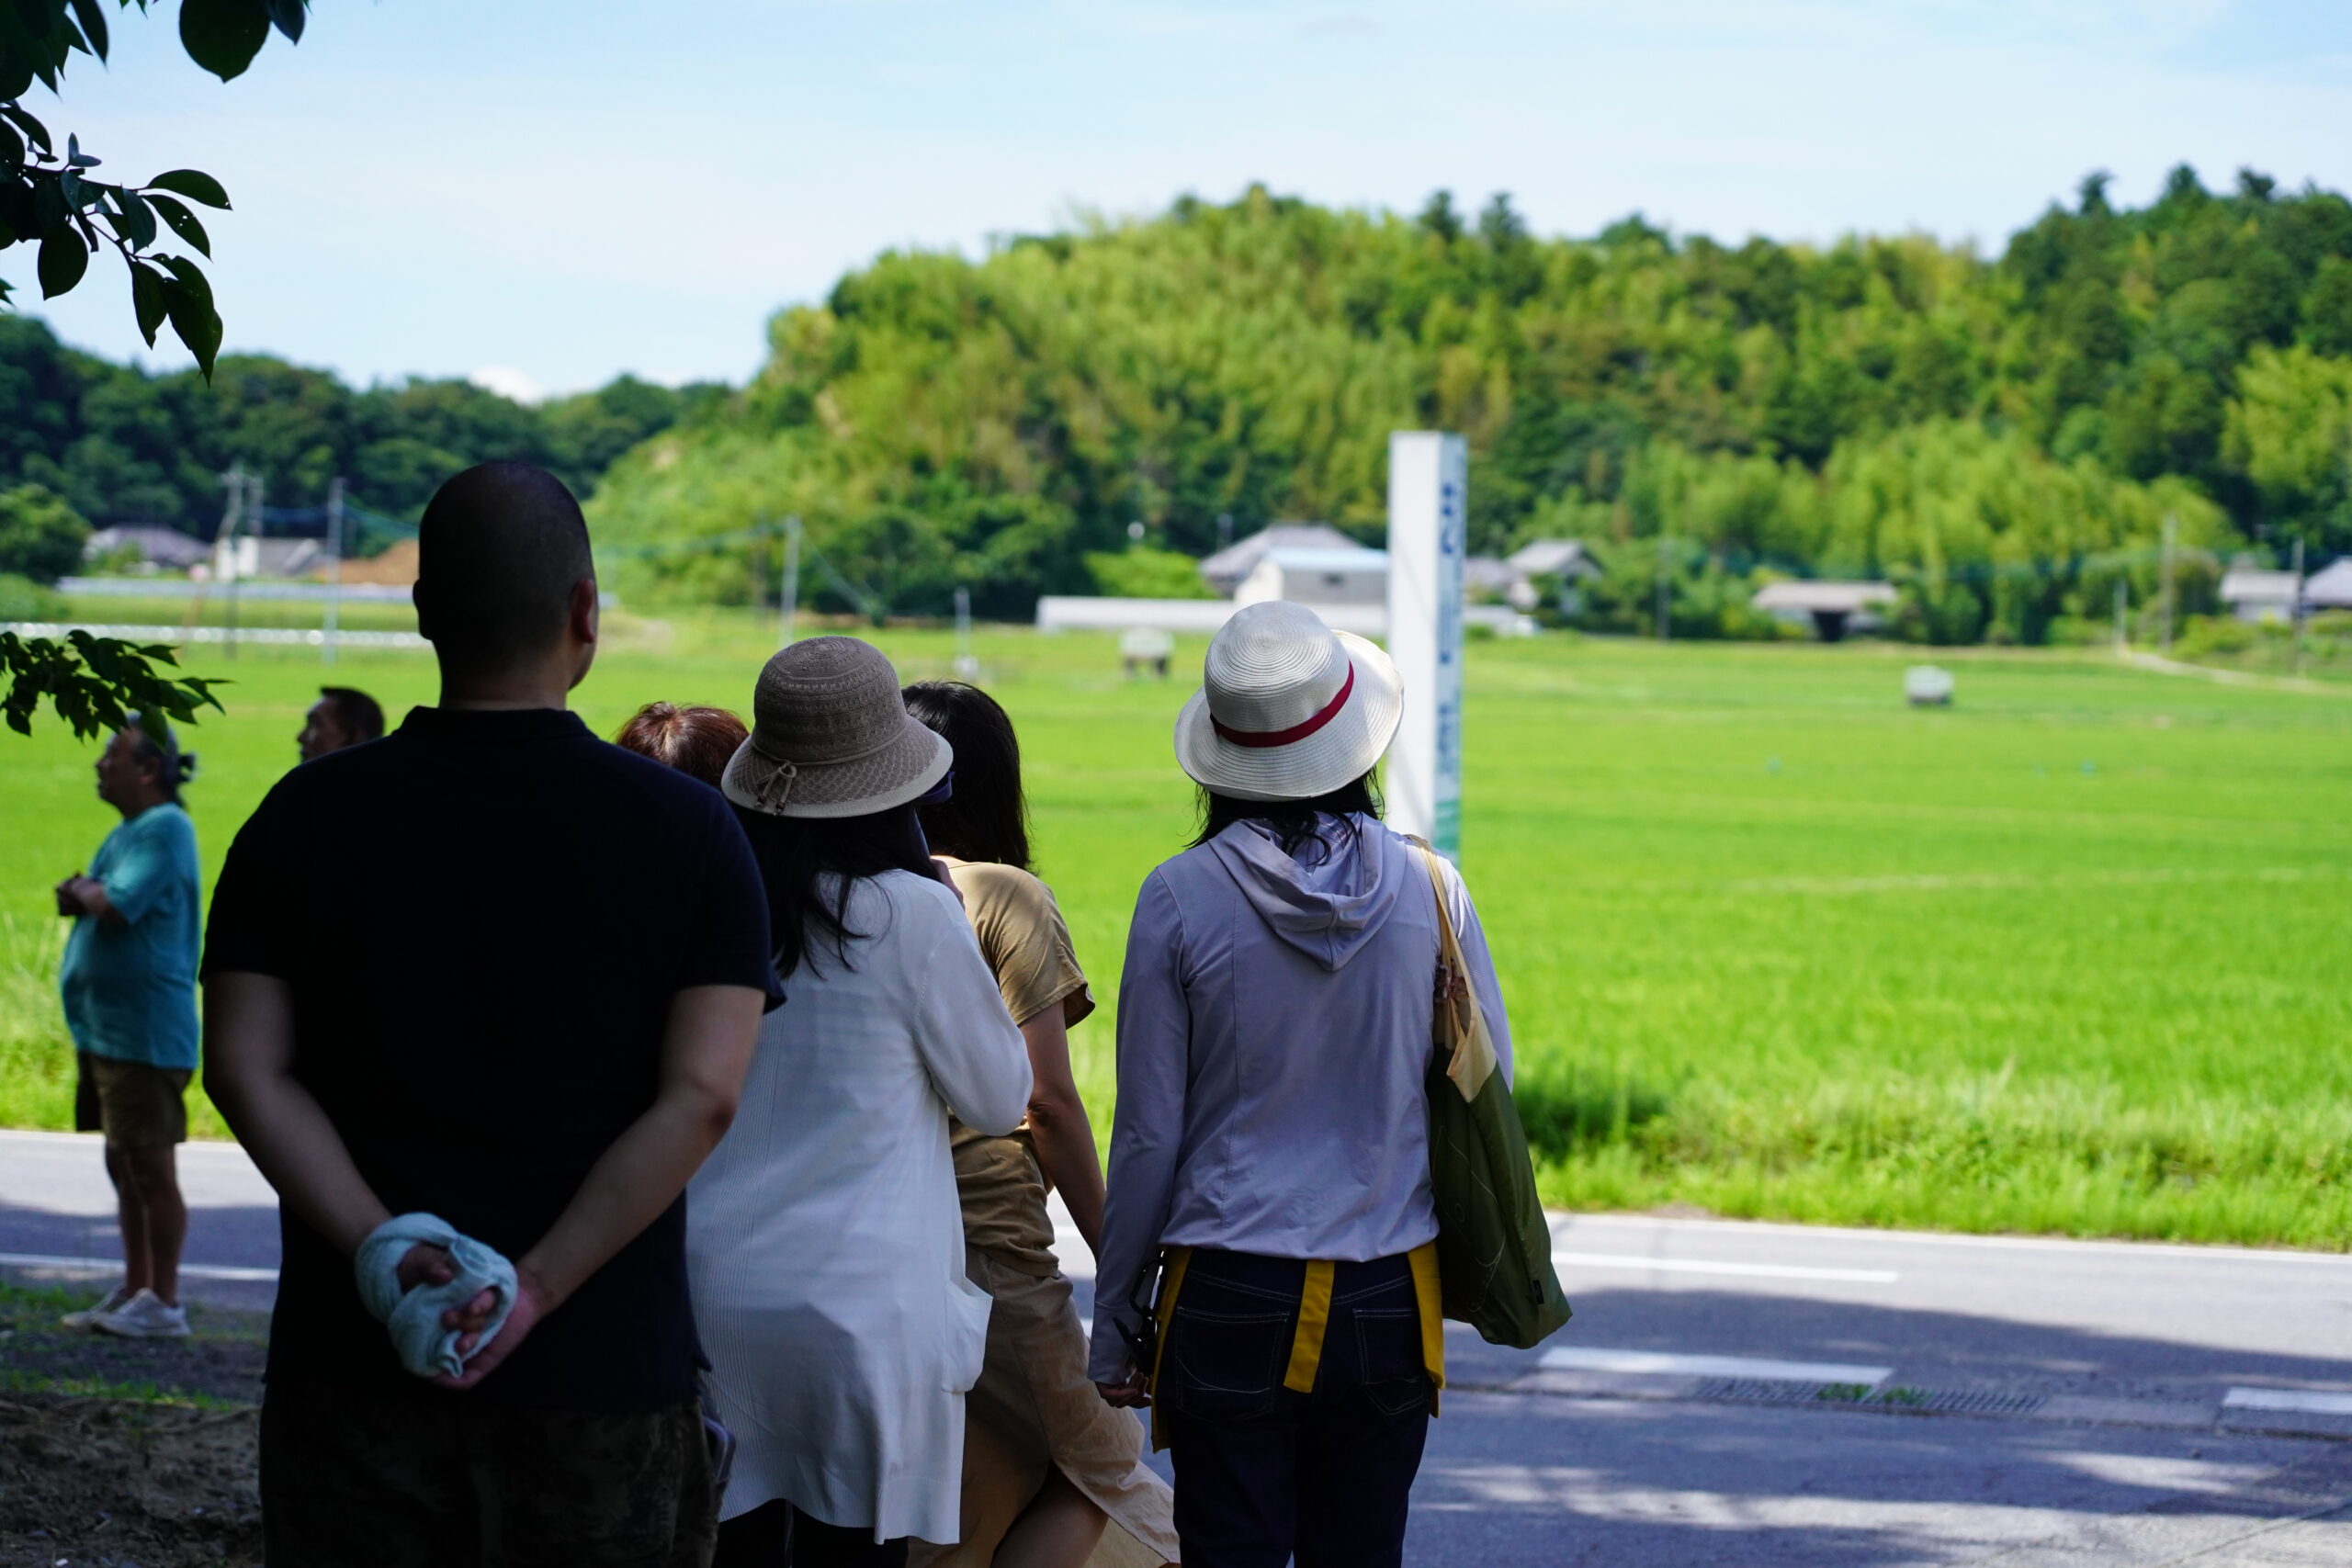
140, 1106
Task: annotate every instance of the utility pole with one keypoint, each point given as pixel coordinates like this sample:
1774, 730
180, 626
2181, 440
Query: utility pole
2122, 636
233, 481
791, 574
966, 667
2296, 610
1665, 590
335, 568
2172, 540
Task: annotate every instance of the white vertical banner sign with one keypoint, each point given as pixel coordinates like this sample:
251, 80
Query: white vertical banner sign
1428, 532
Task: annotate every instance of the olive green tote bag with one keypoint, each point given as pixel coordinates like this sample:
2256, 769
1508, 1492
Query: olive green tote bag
1494, 1250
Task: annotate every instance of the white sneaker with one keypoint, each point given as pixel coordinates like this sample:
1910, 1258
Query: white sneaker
144, 1316
87, 1317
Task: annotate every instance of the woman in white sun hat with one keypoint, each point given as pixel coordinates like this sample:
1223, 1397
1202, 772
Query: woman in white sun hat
824, 1246
1270, 1162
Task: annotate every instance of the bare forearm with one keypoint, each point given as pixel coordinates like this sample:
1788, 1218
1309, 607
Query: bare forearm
704, 1052
294, 1145
249, 1053
1065, 1143
638, 1177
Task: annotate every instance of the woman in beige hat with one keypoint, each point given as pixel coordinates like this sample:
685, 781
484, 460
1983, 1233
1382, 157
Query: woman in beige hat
1269, 1165
1046, 1463
824, 1245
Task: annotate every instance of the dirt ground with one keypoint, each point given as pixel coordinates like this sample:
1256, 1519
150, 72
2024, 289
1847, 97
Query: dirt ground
122, 1453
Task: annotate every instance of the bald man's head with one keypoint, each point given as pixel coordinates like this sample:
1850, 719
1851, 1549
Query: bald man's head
500, 550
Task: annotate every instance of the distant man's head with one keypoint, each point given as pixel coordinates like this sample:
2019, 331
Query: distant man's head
342, 717
504, 582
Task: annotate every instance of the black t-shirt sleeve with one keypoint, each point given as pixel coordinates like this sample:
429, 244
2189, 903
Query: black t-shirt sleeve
255, 913
730, 944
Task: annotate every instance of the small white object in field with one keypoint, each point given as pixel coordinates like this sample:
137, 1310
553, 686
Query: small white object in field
1928, 685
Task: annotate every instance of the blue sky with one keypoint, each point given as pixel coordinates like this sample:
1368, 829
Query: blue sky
544, 193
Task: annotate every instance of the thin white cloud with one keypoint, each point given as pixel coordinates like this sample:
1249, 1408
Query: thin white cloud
508, 382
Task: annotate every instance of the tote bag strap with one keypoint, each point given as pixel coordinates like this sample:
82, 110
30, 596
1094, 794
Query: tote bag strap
1461, 1027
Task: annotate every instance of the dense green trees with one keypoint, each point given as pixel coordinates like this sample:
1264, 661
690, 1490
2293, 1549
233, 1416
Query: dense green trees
39, 536
122, 446
2009, 432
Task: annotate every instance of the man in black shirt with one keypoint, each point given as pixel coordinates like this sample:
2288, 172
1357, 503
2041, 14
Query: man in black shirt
527, 1010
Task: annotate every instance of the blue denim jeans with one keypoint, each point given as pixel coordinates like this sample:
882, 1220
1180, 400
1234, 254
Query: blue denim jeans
1264, 1472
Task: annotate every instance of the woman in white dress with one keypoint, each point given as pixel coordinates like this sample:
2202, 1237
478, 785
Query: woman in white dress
825, 1243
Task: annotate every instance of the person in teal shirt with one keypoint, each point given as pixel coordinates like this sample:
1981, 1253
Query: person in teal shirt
129, 986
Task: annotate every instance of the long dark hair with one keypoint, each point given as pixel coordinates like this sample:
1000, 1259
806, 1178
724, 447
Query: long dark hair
987, 818
794, 852
1292, 822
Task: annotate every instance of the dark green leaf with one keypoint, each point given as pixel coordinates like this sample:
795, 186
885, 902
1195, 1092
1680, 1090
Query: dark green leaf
193, 184
139, 220
288, 15
17, 210
192, 316
92, 16
191, 277
12, 147
33, 128
147, 301
64, 259
223, 36
183, 222
70, 186
49, 205
79, 159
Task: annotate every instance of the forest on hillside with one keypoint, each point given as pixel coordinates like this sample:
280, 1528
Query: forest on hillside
2005, 435
119, 445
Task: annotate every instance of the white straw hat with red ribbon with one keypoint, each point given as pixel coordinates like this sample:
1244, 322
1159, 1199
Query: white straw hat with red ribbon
1288, 709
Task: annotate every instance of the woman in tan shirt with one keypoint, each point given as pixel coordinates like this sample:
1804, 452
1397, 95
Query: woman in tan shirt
1047, 1462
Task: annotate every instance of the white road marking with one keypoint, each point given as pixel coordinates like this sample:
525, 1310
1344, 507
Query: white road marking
1709, 1266
1583, 1359
2309, 1401
114, 1266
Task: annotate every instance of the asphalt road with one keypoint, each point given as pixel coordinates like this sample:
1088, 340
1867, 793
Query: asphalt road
1748, 1394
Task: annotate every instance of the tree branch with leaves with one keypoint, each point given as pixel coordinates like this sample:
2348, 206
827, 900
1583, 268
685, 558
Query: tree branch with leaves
51, 201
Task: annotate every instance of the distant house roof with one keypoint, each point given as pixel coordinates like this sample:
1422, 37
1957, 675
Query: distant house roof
1487, 575
1553, 558
2330, 587
1224, 571
2239, 586
1831, 597
156, 545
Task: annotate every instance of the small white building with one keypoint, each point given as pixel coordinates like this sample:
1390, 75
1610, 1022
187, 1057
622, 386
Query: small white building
2330, 587
1566, 559
1350, 574
246, 556
2257, 596
156, 548
1832, 609
1225, 571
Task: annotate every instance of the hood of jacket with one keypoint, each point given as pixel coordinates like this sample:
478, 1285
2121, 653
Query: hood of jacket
1328, 901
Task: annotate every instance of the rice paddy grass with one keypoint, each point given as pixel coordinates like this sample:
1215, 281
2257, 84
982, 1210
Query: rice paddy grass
2073, 955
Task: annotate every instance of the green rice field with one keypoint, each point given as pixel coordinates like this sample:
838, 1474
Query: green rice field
2073, 955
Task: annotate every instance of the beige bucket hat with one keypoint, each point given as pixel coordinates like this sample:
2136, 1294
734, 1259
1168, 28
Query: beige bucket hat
1288, 709
831, 736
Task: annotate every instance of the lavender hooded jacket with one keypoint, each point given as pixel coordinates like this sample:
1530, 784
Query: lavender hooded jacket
1273, 1031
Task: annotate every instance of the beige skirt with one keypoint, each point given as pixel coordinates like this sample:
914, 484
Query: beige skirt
1033, 1411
